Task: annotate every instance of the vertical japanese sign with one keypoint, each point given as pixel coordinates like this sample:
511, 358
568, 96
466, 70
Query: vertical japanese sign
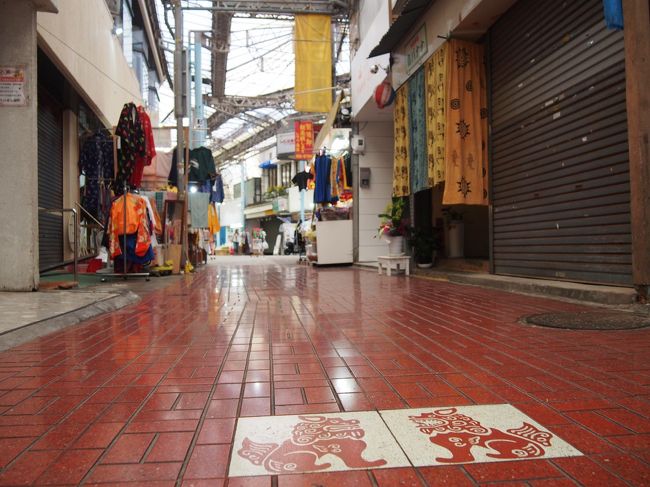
304, 132
12, 86
416, 48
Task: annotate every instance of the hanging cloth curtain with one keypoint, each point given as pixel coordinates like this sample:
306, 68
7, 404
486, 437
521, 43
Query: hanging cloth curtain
313, 48
401, 185
417, 129
213, 219
465, 126
436, 84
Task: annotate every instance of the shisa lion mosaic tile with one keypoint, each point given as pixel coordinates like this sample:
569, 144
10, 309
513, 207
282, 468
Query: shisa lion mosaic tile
387, 439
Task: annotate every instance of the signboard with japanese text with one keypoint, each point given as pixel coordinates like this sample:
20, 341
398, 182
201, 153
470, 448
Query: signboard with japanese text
416, 48
286, 144
304, 137
12, 86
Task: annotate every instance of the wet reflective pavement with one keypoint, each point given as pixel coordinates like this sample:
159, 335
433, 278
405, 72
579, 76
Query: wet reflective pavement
151, 394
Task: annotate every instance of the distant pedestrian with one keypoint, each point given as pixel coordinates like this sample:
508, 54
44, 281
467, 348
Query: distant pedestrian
235, 242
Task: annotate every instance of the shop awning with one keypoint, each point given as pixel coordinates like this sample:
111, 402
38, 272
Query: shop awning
268, 165
258, 211
412, 12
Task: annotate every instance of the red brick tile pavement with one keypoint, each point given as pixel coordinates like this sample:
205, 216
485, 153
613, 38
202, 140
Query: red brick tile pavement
149, 395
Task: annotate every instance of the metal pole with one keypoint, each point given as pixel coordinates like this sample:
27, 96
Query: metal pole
243, 196
190, 113
199, 115
179, 111
178, 96
302, 196
76, 242
355, 199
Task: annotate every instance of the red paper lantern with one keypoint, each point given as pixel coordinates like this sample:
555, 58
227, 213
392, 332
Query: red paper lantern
384, 94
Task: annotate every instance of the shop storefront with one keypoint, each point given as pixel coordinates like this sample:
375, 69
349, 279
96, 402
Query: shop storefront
547, 193
560, 175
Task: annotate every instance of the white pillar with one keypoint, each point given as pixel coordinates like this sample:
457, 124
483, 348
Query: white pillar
19, 153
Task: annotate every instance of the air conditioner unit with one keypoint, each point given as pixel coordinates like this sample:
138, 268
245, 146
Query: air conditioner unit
358, 144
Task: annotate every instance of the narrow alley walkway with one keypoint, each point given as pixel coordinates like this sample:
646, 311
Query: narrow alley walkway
151, 394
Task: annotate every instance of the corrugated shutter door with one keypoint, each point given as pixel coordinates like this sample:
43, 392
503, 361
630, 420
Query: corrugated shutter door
50, 181
560, 175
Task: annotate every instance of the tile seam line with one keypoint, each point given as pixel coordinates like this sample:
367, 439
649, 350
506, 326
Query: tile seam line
72, 411
63, 332
204, 413
512, 384
572, 477
242, 391
425, 337
320, 363
137, 411
409, 339
417, 359
535, 400
372, 365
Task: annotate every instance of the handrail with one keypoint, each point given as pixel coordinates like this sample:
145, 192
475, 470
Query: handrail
88, 214
75, 217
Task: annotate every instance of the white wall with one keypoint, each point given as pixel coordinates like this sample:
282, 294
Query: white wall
363, 82
466, 19
372, 201
230, 213
79, 41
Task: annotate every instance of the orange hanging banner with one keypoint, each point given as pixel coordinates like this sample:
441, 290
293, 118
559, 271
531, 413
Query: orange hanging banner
304, 136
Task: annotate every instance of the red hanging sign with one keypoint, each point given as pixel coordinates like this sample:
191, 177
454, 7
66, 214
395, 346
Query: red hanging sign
304, 132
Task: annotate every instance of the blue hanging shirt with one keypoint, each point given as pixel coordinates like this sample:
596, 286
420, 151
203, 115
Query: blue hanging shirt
613, 14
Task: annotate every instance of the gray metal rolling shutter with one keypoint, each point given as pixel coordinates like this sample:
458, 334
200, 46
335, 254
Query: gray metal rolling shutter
50, 181
560, 175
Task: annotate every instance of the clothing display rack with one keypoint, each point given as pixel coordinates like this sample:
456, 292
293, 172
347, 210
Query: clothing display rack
125, 274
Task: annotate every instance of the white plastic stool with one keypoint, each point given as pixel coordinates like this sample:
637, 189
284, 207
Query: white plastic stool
390, 261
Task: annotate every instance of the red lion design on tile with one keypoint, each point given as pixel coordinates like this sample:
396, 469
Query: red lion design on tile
311, 439
459, 433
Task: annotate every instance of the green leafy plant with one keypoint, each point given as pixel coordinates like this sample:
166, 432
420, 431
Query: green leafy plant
274, 192
392, 222
424, 243
451, 214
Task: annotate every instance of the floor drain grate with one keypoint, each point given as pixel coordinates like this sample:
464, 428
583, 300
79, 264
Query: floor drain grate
589, 320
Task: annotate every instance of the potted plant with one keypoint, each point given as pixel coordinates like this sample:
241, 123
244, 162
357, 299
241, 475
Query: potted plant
392, 226
424, 244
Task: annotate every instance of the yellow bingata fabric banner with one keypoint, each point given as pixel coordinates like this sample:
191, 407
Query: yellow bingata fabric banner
436, 85
466, 126
401, 180
313, 46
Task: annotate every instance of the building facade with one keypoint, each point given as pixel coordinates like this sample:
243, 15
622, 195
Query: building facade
567, 168
82, 60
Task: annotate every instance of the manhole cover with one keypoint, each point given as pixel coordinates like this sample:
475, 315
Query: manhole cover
589, 320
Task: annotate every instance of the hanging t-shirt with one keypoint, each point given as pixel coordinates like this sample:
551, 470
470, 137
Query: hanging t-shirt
201, 165
301, 179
